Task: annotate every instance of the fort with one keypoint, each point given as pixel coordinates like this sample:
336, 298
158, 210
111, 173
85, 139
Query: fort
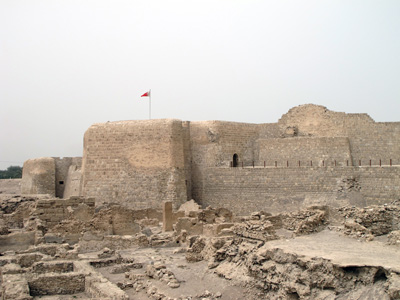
311, 156
305, 208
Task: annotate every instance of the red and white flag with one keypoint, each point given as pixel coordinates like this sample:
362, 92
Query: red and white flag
147, 94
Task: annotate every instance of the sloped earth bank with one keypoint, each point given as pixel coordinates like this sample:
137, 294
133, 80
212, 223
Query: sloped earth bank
325, 265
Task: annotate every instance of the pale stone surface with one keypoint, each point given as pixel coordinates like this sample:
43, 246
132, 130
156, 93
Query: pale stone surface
38, 176
135, 162
167, 216
189, 206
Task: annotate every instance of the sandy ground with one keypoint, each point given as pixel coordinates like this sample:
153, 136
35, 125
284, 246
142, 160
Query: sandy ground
342, 250
194, 278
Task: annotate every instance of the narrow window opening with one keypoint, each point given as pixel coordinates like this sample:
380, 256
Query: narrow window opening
235, 162
61, 182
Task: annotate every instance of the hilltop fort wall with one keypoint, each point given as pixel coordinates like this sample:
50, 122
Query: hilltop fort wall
310, 156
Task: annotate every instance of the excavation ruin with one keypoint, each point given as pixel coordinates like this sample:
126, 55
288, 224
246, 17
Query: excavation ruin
306, 208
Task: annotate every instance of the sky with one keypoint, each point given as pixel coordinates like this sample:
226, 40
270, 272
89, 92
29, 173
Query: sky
65, 65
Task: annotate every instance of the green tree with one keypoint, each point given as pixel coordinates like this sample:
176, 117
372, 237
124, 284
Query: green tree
11, 172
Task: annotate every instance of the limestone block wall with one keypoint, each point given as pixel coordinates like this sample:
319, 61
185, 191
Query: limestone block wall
63, 171
368, 140
138, 164
53, 211
286, 189
213, 144
187, 153
374, 141
379, 185
73, 182
314, 120
308, 150
38, 176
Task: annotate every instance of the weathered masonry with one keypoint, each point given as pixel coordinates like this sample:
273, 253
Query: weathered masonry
311, 156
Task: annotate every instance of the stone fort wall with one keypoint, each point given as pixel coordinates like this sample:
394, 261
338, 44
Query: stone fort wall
136, 163
57, 177
309, 151
286, 189
142, 163
368, 139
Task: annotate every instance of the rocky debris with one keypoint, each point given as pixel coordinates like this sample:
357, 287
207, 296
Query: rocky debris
232, 251
20, 214
137, 280
306, 221
105, 262
195, 249
106, 253
28, 259
281, 275
394, 238
370, 221
123, 268
355, 229
162, 239
211, 215
256, 229
235, 248
10, 205
207, 295
159, 271
124, 285
154, 293
349, 184
4, 230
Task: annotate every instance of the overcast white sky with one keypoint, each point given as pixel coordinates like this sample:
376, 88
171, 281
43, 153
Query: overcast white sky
65, 65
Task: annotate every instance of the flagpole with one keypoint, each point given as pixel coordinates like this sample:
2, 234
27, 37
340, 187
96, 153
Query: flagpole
150, 104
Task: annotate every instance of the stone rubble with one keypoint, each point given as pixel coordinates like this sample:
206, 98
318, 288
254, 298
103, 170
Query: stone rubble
85, 253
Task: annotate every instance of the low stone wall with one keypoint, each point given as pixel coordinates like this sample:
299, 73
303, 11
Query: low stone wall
53, 267
56, 284
99, 288
53, 211
17, 241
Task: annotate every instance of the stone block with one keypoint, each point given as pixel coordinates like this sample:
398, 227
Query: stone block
167, 216
17, 241
52, 267
15, 286
28, 259
191, 225
56, 284
11, 269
